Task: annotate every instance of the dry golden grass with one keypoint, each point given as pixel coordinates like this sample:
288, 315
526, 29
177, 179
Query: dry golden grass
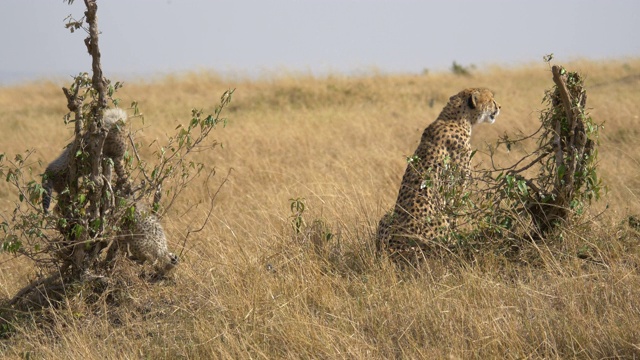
248, 287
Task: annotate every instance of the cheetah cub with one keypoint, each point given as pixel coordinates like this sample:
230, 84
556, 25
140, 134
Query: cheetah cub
115, 145
144, 238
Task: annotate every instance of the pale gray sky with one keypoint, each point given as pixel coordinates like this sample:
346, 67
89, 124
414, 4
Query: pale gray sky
143, 37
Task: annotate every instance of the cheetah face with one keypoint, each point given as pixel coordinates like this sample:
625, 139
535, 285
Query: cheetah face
163, 266
482, 103
173, 259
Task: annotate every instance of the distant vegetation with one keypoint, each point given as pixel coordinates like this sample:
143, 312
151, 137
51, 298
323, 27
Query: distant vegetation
458, 69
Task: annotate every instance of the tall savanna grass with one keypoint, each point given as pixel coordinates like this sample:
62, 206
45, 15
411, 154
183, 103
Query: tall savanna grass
250, 286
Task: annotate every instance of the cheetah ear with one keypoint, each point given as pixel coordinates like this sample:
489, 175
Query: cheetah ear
472, 100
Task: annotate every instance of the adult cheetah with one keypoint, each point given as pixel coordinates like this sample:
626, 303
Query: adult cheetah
115, 145
443, 153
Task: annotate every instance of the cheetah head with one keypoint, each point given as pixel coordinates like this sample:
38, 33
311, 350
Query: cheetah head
167, 264
114, 117
173, 259
478, 104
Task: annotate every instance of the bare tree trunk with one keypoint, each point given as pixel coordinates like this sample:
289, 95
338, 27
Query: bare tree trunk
97, 133
82, 230
569, 144
99, 84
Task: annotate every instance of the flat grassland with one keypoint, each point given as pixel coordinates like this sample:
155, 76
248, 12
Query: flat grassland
249, 287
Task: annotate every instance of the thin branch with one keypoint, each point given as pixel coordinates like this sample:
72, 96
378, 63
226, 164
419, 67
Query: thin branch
511, 168
521, 139
212, 199
533, 162
94, 50
135, 152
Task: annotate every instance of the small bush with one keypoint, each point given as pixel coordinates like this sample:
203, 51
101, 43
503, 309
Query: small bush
69, 245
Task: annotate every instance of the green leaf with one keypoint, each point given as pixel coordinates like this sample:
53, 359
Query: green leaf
561, 171
522, 186
77, 230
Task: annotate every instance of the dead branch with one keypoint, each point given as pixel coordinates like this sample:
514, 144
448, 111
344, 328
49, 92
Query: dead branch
559, 80
212, 199
99, 84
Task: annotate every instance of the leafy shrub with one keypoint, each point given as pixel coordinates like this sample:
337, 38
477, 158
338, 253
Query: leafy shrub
69, 243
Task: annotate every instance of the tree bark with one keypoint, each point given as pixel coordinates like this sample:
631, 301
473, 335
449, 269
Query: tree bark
97, 133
